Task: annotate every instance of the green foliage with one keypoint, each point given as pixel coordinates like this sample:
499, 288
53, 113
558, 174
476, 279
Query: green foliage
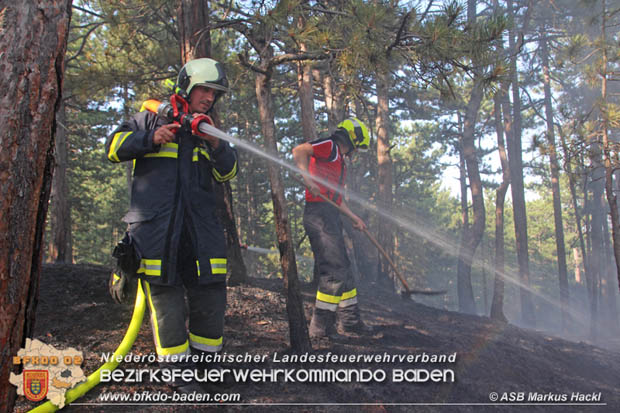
119, 53
99, 194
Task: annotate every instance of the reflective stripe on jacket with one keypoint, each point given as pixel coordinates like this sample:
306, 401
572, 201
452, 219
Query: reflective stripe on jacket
173, 186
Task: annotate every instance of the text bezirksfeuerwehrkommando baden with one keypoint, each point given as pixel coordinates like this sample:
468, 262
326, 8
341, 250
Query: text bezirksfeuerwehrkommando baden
286, 375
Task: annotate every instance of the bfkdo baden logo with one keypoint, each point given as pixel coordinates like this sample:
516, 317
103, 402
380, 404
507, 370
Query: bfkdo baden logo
46, 372
36, 384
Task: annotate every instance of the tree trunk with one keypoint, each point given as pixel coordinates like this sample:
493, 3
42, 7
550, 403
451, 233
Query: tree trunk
578, 261
463, 184
366, 254
61, 211
555, 185
385, 234
472, 235
363, 260
193, 23
236, 270
195, 42
609, 168
515, 160
250, 189
334, 103
572, 185
33, 41
497, 305
306, 100
306, 94
589, 265
608, 284
294, 304
597, 255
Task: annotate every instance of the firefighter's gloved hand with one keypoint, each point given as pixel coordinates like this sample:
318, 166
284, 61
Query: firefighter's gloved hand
197, 119
119, 286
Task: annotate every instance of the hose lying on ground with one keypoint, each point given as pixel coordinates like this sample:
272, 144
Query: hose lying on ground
122, 350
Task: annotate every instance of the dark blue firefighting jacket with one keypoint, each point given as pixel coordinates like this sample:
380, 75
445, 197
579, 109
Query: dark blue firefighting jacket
172, 189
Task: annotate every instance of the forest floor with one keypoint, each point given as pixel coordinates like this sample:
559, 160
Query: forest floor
75, 310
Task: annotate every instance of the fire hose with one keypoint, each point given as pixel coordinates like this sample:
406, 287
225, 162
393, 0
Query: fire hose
171, 112
122, 350
200, 125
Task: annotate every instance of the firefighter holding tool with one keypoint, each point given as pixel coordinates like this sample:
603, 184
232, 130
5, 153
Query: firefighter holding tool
175, 244
336, 295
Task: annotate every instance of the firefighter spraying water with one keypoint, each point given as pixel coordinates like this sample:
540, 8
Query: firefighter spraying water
162, 247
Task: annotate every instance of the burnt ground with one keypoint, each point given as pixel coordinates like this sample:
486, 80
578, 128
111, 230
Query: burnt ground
75, 310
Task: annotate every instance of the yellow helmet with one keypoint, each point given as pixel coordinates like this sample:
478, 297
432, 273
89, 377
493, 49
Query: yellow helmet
357, 132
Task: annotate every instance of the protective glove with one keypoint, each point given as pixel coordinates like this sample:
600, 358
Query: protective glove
196, 120
127, 262
119, 286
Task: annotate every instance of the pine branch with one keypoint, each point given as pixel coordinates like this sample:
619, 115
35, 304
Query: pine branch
244, 62
84, 39
296, 57
399, 34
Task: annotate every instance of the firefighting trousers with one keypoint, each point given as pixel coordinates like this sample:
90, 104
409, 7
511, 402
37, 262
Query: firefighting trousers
206, 305
336, 293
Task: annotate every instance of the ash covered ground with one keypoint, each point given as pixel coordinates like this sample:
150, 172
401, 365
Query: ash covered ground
75, 310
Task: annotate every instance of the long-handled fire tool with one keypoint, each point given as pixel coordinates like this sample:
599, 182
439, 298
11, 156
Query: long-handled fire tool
408, 291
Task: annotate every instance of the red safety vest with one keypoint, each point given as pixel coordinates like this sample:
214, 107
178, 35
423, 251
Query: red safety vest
327, 163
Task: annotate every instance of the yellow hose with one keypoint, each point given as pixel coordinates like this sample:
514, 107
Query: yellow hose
122, 350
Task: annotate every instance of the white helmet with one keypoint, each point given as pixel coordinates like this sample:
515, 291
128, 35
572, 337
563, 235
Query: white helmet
203, 72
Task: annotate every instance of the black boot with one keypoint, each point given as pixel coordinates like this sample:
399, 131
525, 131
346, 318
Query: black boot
350, 322
360, 328
323, 327
322, 323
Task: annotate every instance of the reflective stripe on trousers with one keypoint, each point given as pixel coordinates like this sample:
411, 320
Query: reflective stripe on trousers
207, 304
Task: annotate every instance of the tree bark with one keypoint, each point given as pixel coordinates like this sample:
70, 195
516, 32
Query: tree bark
472, 235
194, 36
385, 234
608, 285
572, 185
515, 160
334, 103
61, 210
463, 185
497, 305
598, 213
250, 190
609, 168
306, 94
294, 305
33, 40
236, 269
555, 184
